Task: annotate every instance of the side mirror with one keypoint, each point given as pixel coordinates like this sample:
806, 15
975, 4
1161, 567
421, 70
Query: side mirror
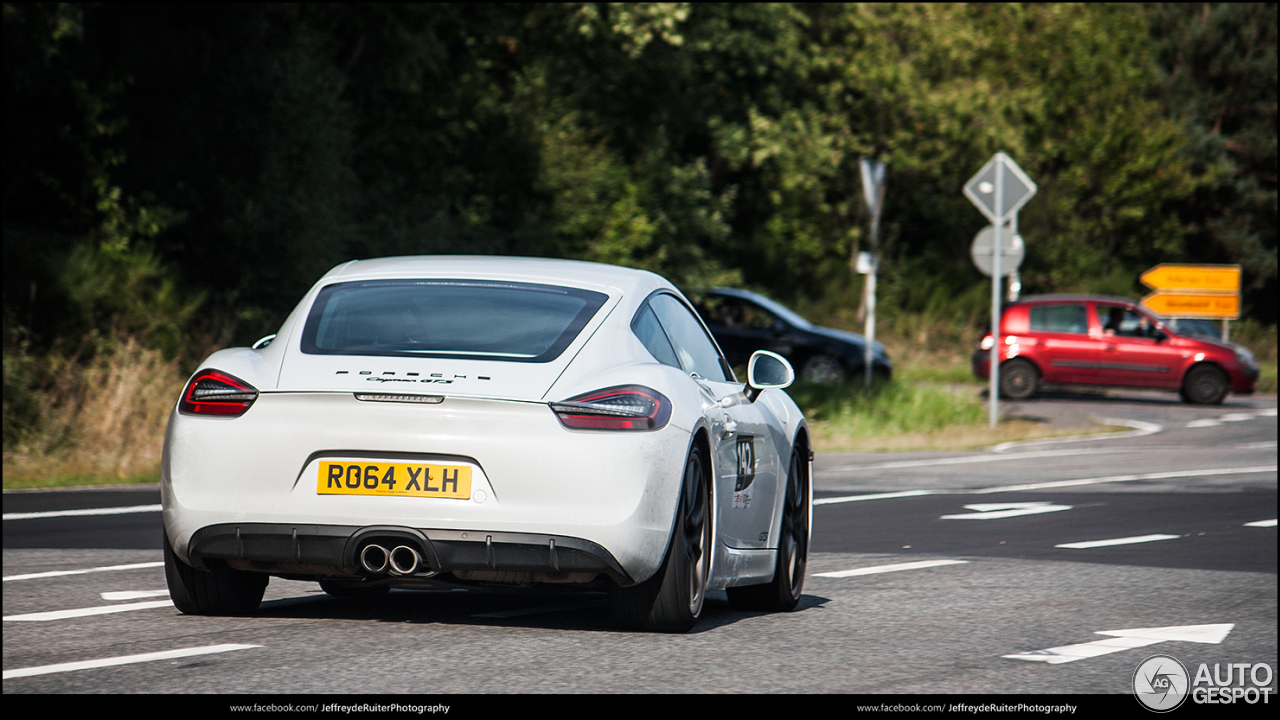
768, 370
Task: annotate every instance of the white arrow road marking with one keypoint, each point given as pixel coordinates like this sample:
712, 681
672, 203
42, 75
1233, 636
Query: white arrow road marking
123, 660
995, 511
106, 568
1117, 541
890, 568
1262, 523
81, 513
86, 612
1126, 639
134, 594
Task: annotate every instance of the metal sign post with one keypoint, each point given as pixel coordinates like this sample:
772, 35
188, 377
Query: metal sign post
998, 191
873, 193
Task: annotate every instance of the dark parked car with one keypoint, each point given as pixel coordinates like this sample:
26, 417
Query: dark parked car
743, 322
1100, 340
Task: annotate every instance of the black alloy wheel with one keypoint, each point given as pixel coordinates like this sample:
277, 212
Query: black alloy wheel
672, 599
782, 594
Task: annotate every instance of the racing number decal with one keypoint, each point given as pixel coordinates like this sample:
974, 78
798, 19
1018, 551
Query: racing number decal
401, 479
746, 462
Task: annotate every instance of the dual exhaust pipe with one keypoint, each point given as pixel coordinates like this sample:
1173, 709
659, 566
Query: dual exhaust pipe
400, 560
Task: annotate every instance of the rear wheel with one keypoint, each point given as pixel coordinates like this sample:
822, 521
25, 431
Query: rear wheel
1205, 385
220, 590
783, 593
671, 600
1019, 379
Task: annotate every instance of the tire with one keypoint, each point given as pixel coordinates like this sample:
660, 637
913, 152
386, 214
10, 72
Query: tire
356, 590
220, 590
672, 599
1205, 385
1019, 379
823, 369
782, 594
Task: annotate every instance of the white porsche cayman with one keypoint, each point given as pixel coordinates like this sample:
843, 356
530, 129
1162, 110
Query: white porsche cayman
469, 421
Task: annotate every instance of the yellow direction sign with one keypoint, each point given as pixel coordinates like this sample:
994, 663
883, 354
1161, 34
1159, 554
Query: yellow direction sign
1193, 278
1214, 306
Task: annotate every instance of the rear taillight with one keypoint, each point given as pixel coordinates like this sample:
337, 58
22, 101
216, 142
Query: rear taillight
212, 392
627, 407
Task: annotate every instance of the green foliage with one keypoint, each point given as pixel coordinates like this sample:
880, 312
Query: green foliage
243, 152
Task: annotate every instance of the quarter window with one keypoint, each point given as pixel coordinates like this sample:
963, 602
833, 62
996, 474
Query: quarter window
646, 327
696, 351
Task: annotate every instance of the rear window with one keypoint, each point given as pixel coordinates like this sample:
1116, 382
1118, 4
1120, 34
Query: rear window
465, 319
1060, 318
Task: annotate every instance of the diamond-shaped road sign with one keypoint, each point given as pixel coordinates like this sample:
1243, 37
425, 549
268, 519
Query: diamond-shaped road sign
1000, 188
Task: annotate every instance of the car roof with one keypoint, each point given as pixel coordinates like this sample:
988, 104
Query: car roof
774, 306
1073, 297
574, 273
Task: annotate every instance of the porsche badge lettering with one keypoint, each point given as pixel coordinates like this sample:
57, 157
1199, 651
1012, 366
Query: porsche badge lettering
394, 479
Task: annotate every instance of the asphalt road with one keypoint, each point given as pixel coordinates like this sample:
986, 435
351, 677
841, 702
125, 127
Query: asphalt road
927, 571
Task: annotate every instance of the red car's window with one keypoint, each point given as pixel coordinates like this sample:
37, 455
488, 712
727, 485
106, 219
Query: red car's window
1060, 318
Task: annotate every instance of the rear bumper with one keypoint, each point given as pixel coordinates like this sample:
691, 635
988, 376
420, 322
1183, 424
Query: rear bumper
981, 362
333, 550
531, 478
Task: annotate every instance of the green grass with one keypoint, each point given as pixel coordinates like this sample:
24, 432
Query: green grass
901, 416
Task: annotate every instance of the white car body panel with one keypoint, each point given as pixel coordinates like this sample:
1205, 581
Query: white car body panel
531, 474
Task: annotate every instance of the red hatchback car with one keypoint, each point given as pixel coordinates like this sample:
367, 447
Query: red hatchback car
1099, 340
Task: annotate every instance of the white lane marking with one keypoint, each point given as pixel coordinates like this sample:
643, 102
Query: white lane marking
1139, 429
1117, 541
83, 513
890, 568
996, 511
1206, 422
876, 496
1262, 523
123, 660
134, 594
1126, 639
1236, 417
105, 568
1264, 445
1129, 478
86, 612
969, 459
1267, 412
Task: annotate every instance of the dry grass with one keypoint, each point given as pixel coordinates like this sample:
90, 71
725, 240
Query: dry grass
103, 423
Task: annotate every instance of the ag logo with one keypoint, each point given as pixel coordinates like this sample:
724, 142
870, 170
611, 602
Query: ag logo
746, 462
1161, 683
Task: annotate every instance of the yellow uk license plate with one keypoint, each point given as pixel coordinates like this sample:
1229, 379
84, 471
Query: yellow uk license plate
350, 477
